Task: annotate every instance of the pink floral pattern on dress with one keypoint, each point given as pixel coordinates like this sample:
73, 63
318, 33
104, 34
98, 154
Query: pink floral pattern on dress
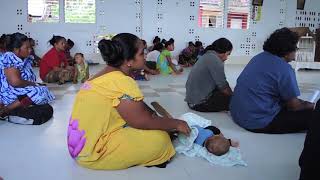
76, 139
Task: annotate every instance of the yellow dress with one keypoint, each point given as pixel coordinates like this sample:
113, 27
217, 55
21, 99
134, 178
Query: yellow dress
107, 144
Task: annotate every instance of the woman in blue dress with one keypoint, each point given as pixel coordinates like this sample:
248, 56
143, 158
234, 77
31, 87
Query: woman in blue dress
21, 95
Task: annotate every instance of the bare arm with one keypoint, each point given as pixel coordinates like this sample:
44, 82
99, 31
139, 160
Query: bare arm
14, 78
296, 104
138, 116
172, 65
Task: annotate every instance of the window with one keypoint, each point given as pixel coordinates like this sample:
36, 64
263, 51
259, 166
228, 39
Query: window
43, 10
80, 11
238, 14
211, 13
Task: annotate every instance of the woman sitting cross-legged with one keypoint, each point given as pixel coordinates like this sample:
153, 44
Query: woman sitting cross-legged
265, 99
21, 96
54, 67
110, 125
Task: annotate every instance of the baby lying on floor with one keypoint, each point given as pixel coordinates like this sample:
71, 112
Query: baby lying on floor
213, 140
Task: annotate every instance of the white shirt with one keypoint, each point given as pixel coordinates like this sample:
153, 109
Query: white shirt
153, 56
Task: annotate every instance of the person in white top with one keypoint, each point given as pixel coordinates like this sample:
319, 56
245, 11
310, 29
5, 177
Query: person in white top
152, 57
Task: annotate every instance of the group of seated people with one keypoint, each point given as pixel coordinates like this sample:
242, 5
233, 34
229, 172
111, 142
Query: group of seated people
110, 122
21, 96
58, 66
159, 59
265, 100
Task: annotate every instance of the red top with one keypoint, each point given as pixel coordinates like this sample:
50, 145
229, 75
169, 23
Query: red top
51, 59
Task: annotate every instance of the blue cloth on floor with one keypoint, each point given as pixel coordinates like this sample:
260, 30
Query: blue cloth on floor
185, 144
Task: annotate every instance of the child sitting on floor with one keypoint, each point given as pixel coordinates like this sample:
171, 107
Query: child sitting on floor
213, 140
81, 69
165, 62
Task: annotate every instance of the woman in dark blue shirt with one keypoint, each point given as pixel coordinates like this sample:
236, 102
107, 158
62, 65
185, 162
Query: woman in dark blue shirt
265, 99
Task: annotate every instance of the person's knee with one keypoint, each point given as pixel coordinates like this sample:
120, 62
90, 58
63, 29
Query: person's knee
46, 113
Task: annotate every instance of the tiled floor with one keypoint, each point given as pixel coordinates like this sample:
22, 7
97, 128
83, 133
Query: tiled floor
40, 152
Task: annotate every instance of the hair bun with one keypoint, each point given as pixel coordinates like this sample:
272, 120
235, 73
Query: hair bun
111, 51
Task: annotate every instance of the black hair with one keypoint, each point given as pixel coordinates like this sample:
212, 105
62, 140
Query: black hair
168, 43
281, 42
70, 43
158, 47
156, 40
198, 44
55, 39
3, 41
78, 54
190, 43
163, 41
220, 46
121, 47
31, 40
143, 42
15, 40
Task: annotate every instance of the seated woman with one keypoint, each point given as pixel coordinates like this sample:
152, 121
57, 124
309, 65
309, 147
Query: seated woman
110, 126
155, 41
152, 57
20, 94
186, 57
199, 49
165, 62
147, 68
207, 89
265, 99
54, 65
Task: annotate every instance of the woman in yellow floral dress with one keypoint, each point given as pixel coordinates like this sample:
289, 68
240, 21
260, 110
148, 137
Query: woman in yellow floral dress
110, 126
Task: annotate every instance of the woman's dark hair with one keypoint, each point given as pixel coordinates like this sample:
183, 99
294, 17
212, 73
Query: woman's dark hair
163, 41
158, 47
15, 40
168, 43
156, 40
190, 43
121, 47
220, 46
281, 42
32, 42
198, 44
70, 43
56, 39
3, 41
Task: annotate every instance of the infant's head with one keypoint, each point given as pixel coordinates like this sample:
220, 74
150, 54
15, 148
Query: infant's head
217, 145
